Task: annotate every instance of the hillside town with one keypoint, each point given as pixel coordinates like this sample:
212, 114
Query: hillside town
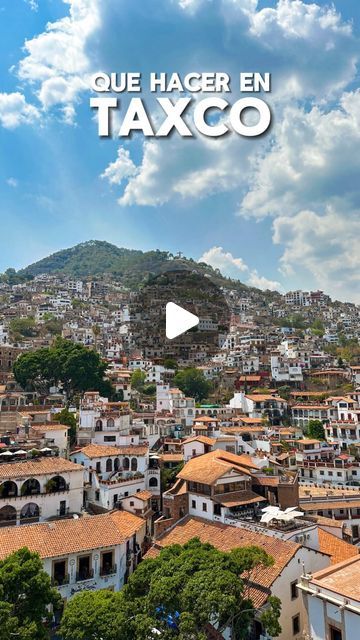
257, 444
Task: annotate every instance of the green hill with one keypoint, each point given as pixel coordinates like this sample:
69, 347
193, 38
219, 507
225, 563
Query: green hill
97, 258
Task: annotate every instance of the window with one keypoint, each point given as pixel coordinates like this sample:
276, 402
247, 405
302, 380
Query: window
321, 473
109, 438
339, 474
132, 503
97, 496
296, 625
335, 634
193, 504
293, 590
330, 473
98, 467
204, 506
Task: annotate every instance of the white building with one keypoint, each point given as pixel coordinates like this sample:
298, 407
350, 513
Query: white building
114, 473
39, 489
174, 401
332, 601
96, 552
101, 421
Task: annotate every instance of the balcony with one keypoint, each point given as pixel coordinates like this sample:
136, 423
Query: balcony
108, 571
85, 575
59, 581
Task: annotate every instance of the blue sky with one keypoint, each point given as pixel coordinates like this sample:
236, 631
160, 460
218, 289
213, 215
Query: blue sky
280, 212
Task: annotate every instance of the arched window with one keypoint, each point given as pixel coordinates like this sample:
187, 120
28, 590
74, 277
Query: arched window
8, 489
116, 464
30, 487
109, 464
110, 423
153, 482
98, 425
134, 464
31, 512
7, 515
126, 464
57, 483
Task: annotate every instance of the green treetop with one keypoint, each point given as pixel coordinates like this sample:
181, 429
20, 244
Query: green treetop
25, 597
77, 368
193, 383
174, 596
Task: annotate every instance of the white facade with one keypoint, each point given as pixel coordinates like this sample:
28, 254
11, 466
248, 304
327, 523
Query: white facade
36, 491
332, 601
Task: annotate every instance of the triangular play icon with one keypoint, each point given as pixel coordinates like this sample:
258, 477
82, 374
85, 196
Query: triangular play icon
178, 320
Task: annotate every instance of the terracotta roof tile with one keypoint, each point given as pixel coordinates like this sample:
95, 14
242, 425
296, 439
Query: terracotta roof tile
104, 451
338, 549
225, 538
62, 537
208, 468
37, 467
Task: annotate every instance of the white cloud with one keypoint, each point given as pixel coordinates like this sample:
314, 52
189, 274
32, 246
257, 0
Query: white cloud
12, 182
309, 183
56, 63
324, 247
176, 168
235, 268
315, 159
32, 4
198, 168
123, 167
14, 110
225, 261
260, 282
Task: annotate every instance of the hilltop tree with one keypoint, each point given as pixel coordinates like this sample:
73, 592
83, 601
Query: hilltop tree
193, 383
25, 597
77, 368
173, 596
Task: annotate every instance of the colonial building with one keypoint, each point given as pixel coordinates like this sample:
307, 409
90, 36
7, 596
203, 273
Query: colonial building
97, 552
332, 600
113, 473
39, 489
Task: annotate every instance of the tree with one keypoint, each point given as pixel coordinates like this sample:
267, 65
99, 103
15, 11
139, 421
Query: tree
53, 326
176, 595
23, 327
193, 383
316, 429
138, 378
68, 418
77, 368
25, 597
170, 363
92, 615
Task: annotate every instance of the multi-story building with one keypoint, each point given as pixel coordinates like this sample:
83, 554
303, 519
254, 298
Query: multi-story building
101, 421
97, 552
39, 489
332, 601
114, 473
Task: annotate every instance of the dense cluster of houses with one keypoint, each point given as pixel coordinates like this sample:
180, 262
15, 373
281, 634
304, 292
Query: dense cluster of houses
144, 472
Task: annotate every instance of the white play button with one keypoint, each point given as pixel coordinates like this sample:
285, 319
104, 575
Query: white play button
178, 320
